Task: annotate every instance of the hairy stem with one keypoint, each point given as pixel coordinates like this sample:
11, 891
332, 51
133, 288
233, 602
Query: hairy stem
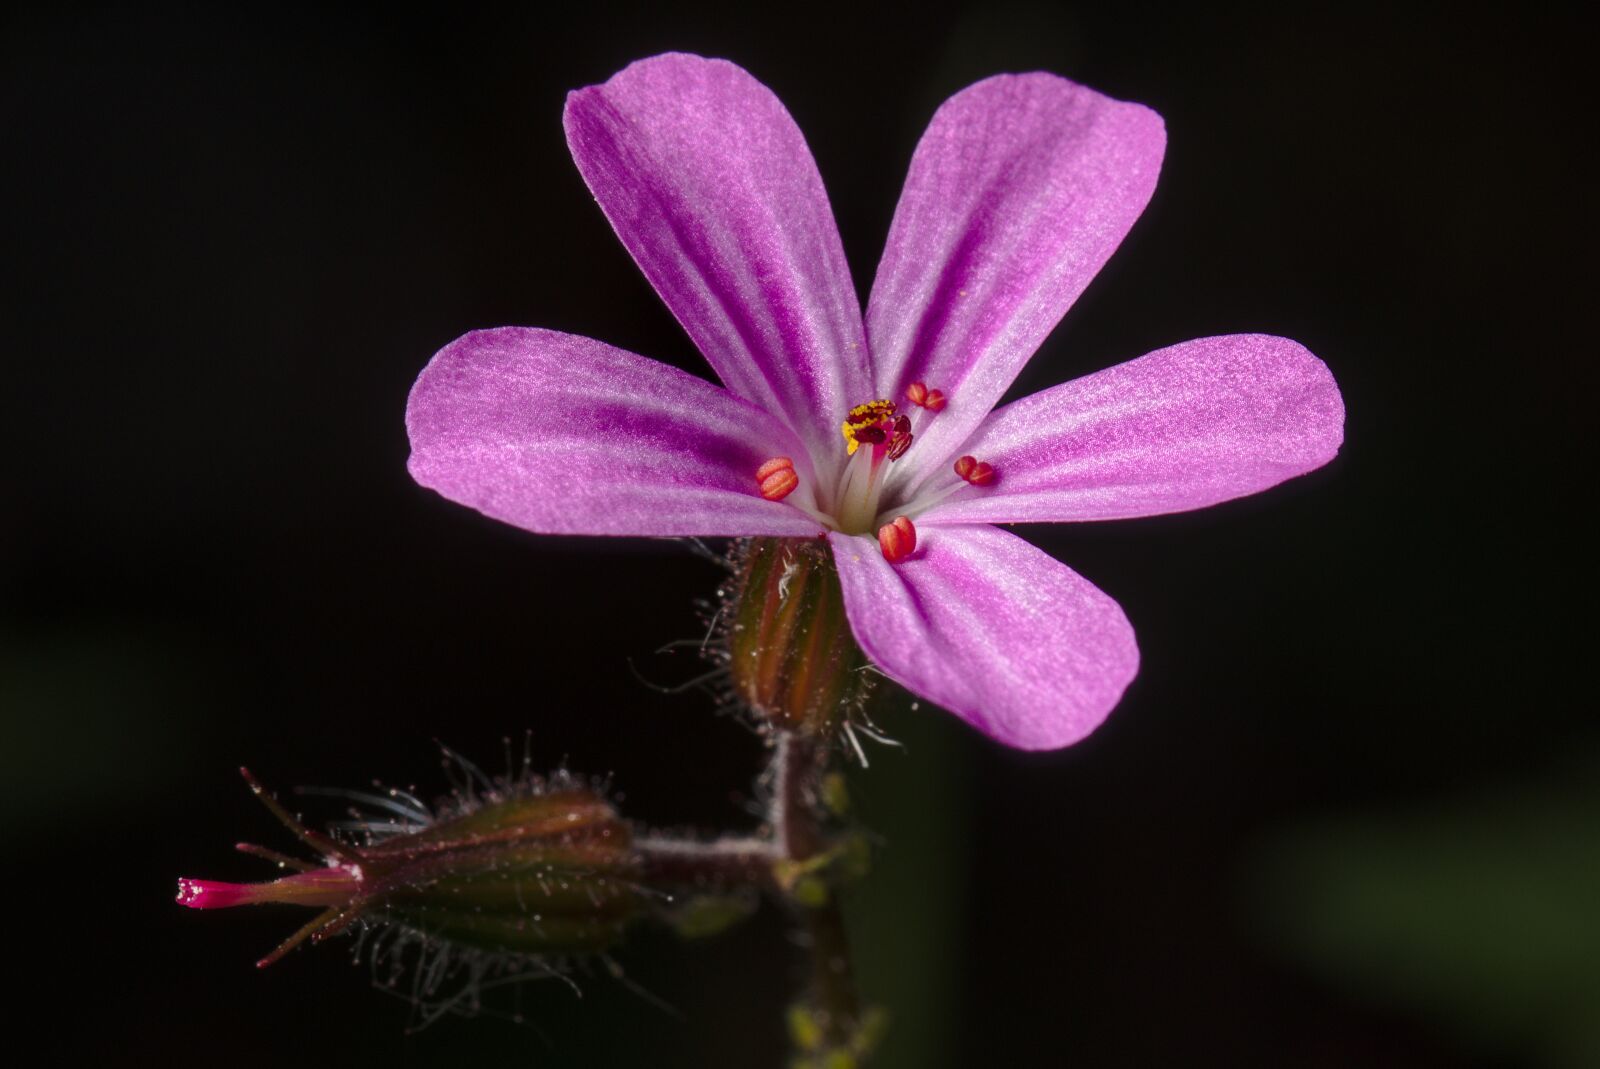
798, 765
719, 863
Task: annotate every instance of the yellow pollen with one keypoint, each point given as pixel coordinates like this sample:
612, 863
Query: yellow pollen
863, 416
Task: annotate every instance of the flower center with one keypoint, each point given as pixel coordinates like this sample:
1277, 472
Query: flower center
886, 437
864, 500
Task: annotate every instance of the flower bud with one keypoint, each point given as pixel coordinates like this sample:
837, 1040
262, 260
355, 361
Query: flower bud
791, 654
526, 867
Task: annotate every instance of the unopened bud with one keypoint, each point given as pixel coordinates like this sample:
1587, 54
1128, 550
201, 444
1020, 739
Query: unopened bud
526, 867
791, 653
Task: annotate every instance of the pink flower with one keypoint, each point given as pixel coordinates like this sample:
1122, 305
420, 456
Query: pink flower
1019, 191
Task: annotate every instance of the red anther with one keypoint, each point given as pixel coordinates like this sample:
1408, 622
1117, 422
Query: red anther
900, 440
775, 464
871, 436
897, 539
777, 478
919, 394
975, 471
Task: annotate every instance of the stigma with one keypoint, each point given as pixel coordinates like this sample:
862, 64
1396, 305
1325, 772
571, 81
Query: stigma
865, 425
875, 424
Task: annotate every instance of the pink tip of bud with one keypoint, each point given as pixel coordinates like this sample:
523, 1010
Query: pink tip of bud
975, 471
214, 894
330, 886
777, 478
897, 539
919, 394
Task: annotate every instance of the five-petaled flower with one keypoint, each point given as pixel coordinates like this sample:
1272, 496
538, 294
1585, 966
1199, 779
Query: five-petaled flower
1019, 191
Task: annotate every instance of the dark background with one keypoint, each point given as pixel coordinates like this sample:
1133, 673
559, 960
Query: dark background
1346, 815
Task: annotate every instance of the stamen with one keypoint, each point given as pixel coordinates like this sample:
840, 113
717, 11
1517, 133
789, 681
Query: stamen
777, 478
975, 471
857, 500
900, 441
919, 394
897, 539
861, 485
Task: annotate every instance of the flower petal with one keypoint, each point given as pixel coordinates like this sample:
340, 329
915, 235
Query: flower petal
567, 435
1020, 190
1181, 428
710, 185
1012, 641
